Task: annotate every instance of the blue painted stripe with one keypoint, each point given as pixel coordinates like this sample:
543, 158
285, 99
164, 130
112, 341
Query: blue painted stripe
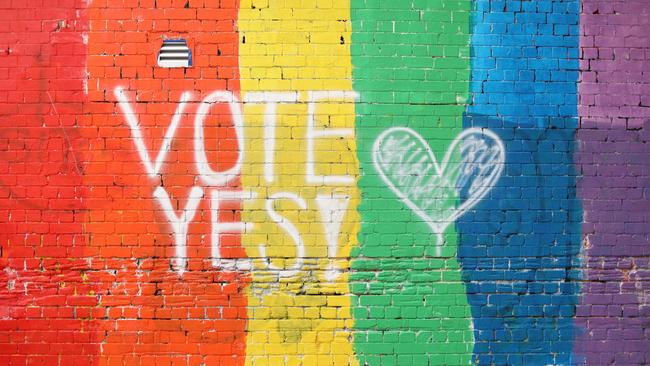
519, 246
525, 61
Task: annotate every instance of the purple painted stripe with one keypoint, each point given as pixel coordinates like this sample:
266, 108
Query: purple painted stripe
614, 312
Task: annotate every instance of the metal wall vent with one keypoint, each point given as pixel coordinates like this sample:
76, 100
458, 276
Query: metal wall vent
174, 53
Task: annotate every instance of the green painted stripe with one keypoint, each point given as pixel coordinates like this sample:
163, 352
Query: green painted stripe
411, 68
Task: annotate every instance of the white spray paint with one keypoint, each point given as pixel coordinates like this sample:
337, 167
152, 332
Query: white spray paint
210, 177
152, 168
313, 133
332, 211
180, 222
332, 208
409, 167
270, 119
290, 229
228, 227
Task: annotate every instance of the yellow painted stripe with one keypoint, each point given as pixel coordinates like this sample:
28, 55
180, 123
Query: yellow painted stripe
297, 316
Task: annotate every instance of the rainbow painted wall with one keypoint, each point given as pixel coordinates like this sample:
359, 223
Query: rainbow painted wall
331, 182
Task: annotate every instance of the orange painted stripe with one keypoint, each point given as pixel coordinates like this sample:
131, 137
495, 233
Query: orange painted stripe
151, 313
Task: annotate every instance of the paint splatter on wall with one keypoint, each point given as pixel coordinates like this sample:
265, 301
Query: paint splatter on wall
325, 182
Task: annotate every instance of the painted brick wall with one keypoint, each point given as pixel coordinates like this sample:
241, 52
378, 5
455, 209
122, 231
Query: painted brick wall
332, 182
48, 305
613, 139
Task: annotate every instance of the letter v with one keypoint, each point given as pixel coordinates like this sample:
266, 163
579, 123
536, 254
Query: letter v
136, 133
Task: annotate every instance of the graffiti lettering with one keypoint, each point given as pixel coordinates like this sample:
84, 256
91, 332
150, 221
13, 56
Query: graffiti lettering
152, 168
313, 134
218, 228
291, 229
179, 223
332, 208
210, 177
270, 117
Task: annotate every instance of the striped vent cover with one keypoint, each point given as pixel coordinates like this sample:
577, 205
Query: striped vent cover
174, 53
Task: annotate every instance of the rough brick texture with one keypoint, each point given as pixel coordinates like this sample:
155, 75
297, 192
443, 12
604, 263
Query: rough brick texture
332, 182
47, 304
614, 138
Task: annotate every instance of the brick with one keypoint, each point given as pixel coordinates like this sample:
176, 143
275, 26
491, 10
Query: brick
548, 267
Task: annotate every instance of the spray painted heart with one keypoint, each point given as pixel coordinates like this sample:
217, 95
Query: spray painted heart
439, 193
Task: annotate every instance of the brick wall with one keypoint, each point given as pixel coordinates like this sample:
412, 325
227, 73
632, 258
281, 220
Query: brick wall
613, 312
332, 182
48, 305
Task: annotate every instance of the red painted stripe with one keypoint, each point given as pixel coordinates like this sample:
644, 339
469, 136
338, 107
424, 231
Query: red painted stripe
151, 314
47, 304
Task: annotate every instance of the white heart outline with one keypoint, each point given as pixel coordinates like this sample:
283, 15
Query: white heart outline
439, 227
